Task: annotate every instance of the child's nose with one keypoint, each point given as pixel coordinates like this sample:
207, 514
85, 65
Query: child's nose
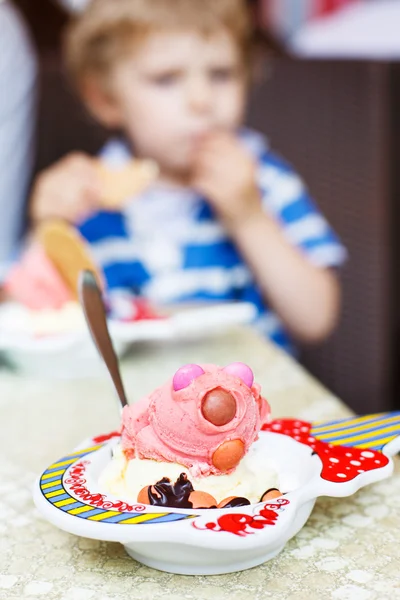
199, 95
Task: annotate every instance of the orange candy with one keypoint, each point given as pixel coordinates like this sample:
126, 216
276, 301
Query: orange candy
226, 501
228, 455
271, 494
202, 500
143, 496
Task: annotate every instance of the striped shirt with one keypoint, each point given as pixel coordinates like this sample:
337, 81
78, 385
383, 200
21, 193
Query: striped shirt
168, 246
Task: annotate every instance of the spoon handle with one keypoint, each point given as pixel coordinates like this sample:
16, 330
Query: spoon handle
93, 308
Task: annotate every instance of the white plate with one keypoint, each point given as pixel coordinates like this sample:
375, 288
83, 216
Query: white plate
215, 541
70, 355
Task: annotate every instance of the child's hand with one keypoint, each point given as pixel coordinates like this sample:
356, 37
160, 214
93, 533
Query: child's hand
225, 174
68, 190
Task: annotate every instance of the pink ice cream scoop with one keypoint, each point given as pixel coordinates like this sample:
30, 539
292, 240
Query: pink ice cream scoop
36, 283
205, 418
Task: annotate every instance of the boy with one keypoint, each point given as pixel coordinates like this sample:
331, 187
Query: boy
226, 219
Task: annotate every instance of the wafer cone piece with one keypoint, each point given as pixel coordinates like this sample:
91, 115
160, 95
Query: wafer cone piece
120, 184
68, 252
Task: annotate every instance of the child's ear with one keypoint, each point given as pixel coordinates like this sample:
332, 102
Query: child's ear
100, 102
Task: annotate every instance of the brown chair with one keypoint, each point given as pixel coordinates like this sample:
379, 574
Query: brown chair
339, 123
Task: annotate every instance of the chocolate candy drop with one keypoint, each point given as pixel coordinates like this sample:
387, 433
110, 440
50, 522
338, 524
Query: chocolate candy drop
218, 407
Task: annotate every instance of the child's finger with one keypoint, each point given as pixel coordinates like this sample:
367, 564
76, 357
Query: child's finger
206, 183
210, 159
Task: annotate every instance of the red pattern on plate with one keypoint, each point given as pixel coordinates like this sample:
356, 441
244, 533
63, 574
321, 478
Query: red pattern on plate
239, 523
107, 436
339, 463
75, 482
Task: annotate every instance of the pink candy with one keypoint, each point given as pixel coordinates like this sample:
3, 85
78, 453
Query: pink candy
185, 375
188, 373
241, 371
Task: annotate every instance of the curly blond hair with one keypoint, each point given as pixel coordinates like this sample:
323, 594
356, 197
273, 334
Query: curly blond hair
109, 29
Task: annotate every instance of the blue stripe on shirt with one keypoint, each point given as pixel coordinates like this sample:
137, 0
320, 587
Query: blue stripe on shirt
205, 213
251, 293
274, 160
222, 254
298, 209
129, 275
317, 242
104, 225
202, 295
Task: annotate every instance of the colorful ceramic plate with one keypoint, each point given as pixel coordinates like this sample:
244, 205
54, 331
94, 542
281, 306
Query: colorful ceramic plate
329, 459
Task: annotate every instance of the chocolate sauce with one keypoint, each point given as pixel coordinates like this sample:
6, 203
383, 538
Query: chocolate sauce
175, 495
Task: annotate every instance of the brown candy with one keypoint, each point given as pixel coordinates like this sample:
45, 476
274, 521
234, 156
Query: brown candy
219, 407
228, 455
271, 494
233, 502
202, 500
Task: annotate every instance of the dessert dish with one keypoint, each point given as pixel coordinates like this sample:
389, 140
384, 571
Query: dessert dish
311, 461
42, 287
42, 327
191, 443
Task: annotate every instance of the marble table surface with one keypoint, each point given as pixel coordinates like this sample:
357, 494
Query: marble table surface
349, 550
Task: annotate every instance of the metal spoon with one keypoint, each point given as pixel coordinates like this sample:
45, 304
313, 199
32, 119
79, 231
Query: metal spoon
95, 314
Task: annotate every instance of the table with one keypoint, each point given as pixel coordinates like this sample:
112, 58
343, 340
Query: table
349, 550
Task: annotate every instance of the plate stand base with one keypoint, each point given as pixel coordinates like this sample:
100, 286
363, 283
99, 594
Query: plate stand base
206, 569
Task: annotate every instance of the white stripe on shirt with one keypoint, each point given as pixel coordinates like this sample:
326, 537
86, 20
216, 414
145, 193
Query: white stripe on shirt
140, 247
155, 254
113, 250
328, 255
306, 228
282, 188
171, 287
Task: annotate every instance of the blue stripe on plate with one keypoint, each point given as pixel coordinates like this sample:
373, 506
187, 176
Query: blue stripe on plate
341, 424
52, 489
57, 477
58, 498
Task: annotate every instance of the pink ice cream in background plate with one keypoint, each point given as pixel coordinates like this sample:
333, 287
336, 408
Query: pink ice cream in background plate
36, 283
205, 418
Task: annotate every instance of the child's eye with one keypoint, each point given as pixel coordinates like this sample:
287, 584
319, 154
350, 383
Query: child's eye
165, 79
223, 74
